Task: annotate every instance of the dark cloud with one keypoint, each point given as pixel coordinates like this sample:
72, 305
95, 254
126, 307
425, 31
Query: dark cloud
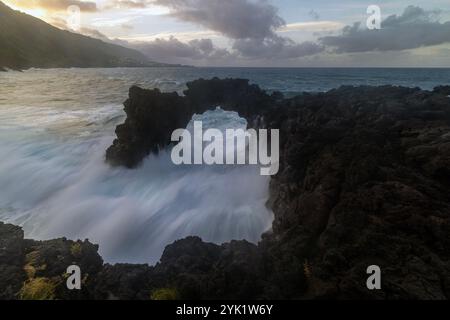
275, 48
411, 15
56, 5
415, 28
251, 25
236, 19
173, 50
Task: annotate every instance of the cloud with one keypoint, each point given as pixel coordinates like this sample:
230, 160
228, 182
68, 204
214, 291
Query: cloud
276, 48
415, 28
127, 4
170, 50
314, 26
89, 32
93, 33
173, 51
251, 25
127, 26
183, 36
236, 19
55, 5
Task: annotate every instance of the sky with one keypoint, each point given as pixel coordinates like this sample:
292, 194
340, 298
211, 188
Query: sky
263, 33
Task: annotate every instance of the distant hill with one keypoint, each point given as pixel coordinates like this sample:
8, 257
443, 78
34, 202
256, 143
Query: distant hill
26, 42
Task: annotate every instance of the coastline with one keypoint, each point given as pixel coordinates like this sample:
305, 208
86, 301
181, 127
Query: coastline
363, 181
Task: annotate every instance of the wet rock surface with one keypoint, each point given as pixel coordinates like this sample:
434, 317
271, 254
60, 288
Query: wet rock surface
152, 116
364, 180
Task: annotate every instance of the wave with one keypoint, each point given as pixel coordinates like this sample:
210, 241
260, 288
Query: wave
59, 187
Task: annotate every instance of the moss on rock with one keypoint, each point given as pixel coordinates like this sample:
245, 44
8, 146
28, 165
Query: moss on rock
165, 294
38, 289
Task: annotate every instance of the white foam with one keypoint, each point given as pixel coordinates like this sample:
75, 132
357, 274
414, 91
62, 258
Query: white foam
62, 187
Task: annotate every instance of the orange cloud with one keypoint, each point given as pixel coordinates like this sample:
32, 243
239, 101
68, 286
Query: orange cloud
54, 5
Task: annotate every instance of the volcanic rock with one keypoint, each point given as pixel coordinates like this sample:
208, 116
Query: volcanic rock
152, 116
364, 179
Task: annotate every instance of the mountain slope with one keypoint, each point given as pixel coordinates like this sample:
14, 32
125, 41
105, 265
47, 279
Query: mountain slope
27, 42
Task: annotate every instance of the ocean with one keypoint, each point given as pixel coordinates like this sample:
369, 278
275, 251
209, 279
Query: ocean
56, 124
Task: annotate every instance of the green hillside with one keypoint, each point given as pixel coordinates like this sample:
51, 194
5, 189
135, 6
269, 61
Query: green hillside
27, 42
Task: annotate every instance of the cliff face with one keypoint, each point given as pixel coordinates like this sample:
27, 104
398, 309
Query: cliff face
363, 181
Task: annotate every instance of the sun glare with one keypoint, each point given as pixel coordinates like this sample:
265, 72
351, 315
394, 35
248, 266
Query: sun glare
35, 12
38, 13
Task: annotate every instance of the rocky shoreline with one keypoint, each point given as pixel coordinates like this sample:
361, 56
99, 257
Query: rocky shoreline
364, 179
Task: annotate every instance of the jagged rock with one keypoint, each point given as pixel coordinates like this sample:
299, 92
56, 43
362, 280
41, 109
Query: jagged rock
445, 90
49, 260
11, 261
152, 116
207, 271
37, 269
123, 282
364, 181
231, 94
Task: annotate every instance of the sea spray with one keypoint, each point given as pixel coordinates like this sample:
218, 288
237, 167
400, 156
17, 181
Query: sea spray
61, 186
225, 146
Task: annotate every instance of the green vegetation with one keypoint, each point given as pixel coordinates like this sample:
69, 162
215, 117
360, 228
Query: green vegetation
76, 250
165, 294
38, 289
32, 264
